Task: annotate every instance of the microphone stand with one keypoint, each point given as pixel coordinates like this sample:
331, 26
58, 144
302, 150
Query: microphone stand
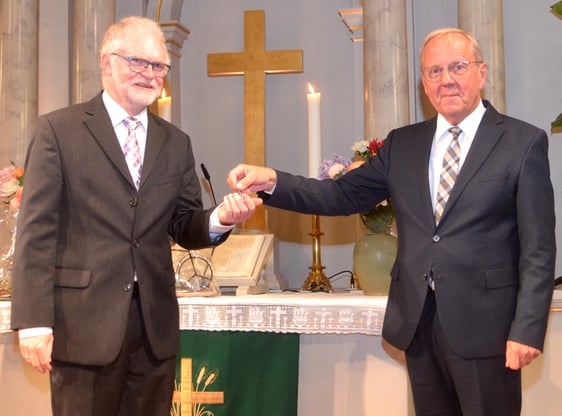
213, 198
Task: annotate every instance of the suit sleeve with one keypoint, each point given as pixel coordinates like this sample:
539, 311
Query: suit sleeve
536, 225
38, 221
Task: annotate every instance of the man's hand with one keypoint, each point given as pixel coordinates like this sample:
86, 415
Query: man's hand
519, 355
37, 350
248, 178
237, 208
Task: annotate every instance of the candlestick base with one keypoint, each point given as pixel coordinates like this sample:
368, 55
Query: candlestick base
317, 281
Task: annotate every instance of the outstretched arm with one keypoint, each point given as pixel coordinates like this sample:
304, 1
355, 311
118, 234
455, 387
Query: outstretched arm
249, 178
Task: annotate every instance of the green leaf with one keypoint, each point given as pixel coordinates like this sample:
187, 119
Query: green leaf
558, 121
557, 8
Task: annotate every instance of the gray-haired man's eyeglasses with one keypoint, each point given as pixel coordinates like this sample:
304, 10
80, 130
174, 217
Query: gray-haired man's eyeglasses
456, 68
140, 65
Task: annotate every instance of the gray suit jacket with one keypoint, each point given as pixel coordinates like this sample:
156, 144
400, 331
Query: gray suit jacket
492, 254
83, 230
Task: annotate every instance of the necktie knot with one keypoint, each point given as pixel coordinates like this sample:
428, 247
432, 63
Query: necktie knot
455, 132
131, 123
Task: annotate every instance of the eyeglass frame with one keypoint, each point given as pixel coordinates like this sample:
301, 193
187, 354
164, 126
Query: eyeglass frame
139, 61
450, 69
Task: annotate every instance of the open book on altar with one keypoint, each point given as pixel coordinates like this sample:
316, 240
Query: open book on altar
243, 261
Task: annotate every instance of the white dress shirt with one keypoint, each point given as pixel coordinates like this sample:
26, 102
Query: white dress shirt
441, 141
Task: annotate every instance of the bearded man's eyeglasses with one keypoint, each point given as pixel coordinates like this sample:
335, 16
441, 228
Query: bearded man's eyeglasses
139, 65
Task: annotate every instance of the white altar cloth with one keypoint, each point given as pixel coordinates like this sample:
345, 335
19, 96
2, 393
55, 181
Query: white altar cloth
303, 313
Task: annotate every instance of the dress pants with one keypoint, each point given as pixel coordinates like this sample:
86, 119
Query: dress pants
135, 384
444, 384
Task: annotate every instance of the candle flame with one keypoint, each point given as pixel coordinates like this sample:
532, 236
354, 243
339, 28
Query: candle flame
310, 88
163, 95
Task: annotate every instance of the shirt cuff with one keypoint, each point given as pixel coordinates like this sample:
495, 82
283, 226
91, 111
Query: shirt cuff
216, 229
33, 332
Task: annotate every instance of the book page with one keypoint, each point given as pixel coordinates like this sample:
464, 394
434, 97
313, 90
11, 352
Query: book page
237, 256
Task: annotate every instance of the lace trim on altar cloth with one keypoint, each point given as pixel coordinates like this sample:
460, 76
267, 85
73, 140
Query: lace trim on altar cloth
310, 313
303, 313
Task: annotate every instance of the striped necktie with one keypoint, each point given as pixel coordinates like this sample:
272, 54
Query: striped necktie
131, 150
448, 173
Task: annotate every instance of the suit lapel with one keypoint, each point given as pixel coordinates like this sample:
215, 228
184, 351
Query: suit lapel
423, 142
99, 125
155, 139
487, 135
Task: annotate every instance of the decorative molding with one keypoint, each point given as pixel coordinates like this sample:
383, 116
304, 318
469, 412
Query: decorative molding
353, 20
175, 34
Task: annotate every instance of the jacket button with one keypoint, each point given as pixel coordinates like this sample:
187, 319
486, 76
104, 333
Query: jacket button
425, 277
436, 238
136, 243
133, 201
127, 287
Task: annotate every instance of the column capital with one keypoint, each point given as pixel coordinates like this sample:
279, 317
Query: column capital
175, 34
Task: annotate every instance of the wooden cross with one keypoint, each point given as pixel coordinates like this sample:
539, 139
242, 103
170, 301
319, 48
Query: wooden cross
254, 63
186, 397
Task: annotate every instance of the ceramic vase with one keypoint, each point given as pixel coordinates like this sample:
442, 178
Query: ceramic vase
373, 257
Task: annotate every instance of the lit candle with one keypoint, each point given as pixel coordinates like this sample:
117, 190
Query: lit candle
165, 106
314, 144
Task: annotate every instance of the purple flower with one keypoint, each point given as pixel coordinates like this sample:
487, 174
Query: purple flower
333, 168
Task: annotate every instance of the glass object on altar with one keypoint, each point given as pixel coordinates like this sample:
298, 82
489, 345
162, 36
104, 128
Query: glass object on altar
194, 274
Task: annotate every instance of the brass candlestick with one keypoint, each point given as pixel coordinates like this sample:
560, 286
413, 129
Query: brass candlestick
316, 280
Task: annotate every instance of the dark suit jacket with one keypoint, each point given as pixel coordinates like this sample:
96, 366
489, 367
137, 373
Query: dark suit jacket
83, 229
492, 253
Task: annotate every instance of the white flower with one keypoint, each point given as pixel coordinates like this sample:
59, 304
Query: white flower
360, 147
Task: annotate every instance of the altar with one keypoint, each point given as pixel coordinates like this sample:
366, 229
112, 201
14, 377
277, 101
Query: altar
344, 366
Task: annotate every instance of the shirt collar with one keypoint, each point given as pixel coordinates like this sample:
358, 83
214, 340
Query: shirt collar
469, 125
117, 113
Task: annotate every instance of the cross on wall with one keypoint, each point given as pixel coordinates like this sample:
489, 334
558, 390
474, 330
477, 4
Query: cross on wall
254, 63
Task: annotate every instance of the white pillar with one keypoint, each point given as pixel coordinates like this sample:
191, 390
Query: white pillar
484, 20
18, 77
385, 63
90, 20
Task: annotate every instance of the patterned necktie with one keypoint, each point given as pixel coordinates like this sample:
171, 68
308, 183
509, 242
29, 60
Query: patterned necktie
131, 150
448, 173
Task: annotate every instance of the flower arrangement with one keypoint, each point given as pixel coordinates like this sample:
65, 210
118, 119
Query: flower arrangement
379, 218
11, 186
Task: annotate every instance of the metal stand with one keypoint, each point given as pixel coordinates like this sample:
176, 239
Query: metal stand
316, 280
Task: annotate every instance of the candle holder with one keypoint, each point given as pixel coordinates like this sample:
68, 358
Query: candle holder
316, 280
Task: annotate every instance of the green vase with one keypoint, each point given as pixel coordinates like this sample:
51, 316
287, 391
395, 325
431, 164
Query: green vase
373, 257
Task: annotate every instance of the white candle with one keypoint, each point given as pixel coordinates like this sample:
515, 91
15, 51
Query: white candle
165, 106
314, 143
